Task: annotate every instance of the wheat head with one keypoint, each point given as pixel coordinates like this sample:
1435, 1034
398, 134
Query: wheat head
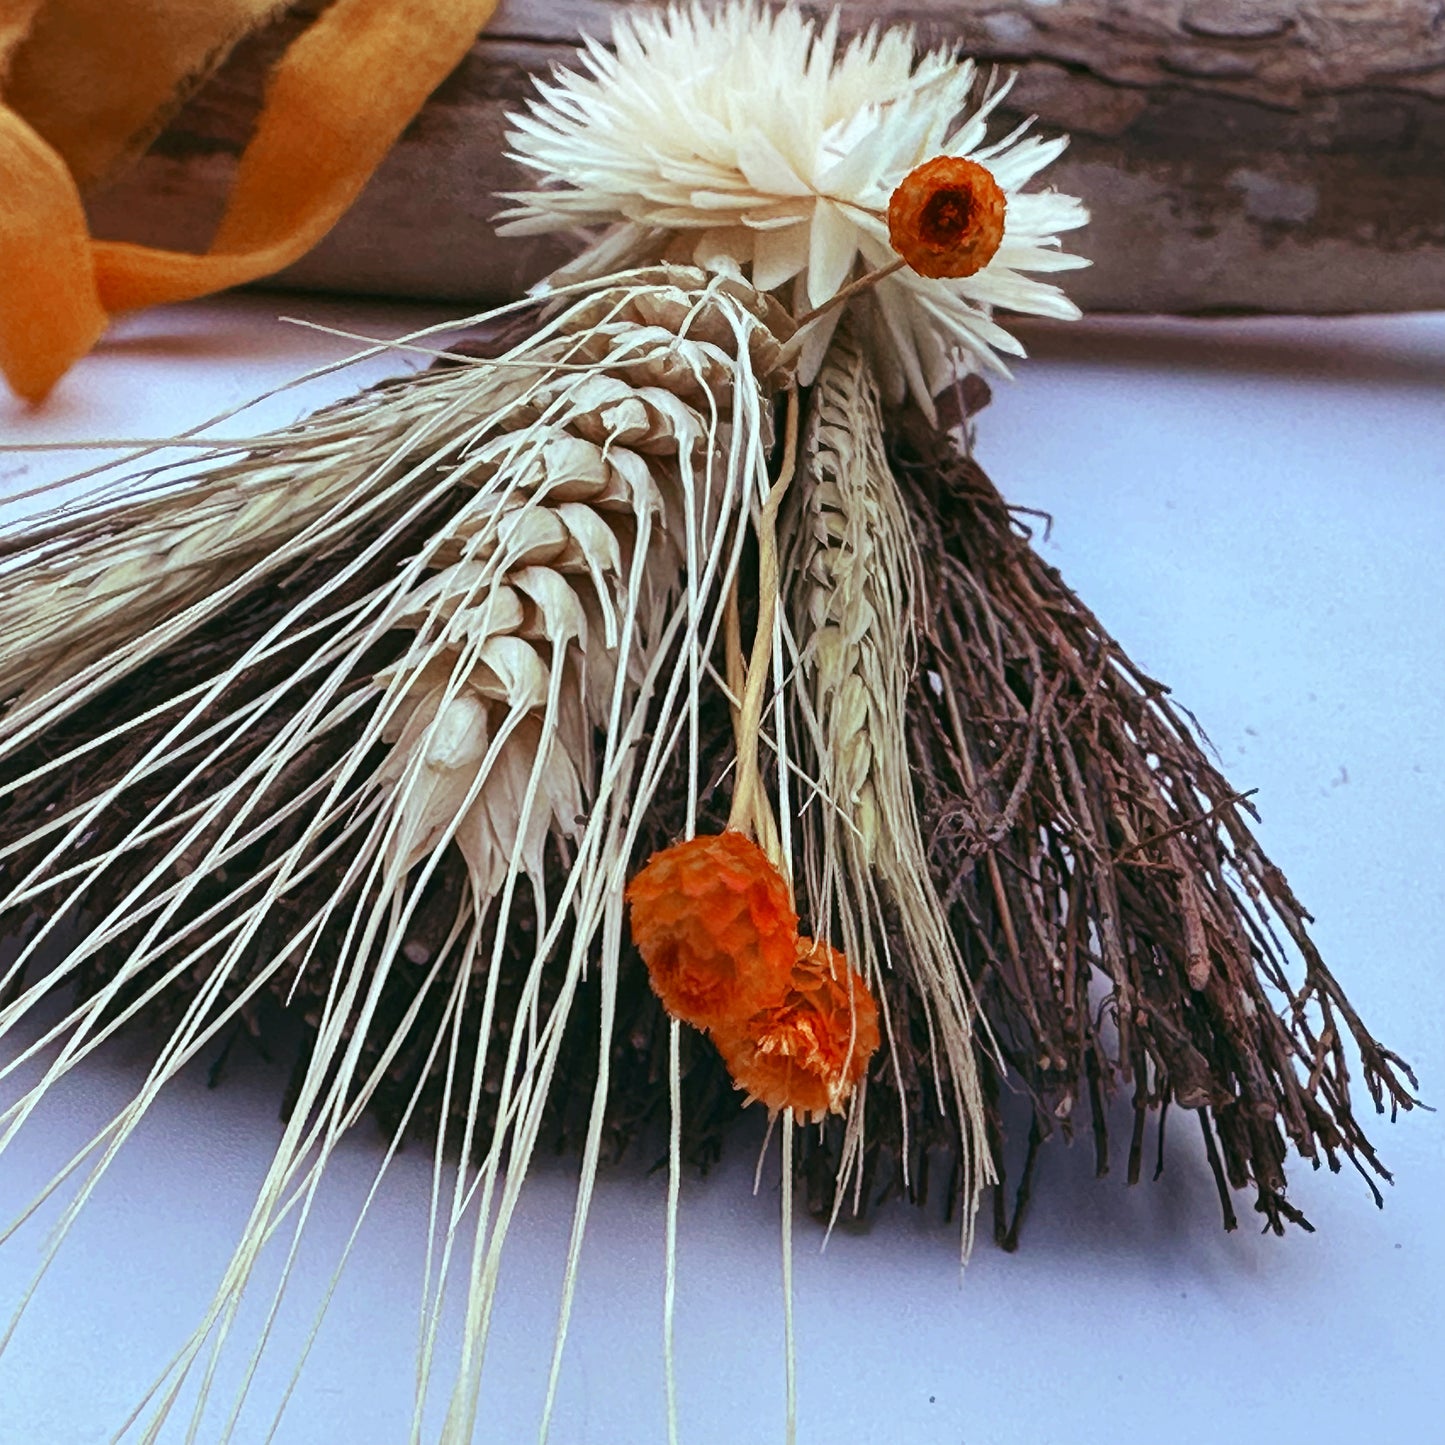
856, 602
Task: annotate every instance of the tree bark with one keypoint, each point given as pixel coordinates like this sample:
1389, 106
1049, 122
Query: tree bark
1235, 154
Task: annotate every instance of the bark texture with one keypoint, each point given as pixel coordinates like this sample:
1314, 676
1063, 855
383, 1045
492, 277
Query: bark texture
1279, 155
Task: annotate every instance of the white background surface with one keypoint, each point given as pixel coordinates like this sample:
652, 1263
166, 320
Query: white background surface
1257, 510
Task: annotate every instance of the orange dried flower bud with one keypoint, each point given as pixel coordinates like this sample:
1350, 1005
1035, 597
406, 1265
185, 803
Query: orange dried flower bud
807, 1051
716, 928
946, 217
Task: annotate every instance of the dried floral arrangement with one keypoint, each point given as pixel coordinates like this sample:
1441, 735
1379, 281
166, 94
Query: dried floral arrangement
654, 709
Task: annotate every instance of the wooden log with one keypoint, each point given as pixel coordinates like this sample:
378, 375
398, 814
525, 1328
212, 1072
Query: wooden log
1236, 154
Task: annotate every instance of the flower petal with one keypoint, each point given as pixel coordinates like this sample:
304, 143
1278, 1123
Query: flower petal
778, 256
764, 168
832, 247
816, 337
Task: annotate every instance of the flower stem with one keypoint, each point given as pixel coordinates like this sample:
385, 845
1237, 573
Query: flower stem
751, 813
852, 289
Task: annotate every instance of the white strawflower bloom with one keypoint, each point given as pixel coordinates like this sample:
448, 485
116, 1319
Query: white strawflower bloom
747, 140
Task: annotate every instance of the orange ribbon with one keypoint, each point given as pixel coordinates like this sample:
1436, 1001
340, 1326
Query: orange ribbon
337, 102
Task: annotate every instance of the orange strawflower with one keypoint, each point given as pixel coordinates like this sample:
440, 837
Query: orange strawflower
809, 1049
946, 217
715, 925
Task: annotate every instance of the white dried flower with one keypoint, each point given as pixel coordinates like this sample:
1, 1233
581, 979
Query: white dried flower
749, 140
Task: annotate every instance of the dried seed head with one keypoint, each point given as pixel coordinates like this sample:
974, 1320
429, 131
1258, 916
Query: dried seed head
715, 925
808, 1050
571, 536
946, 217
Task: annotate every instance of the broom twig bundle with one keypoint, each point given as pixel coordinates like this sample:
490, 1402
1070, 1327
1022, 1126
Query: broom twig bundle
1121, 923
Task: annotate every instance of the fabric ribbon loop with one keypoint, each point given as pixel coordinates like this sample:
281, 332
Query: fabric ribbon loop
337, 101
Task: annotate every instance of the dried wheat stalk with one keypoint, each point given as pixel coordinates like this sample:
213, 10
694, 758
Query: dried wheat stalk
857, 598
252, 789
174, 547
513, 664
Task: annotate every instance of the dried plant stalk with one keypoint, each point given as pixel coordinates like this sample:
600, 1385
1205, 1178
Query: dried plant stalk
93, 587
856, 590
1083, 840
253, 790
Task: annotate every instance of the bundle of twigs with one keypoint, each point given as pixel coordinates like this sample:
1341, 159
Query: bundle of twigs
1122, 925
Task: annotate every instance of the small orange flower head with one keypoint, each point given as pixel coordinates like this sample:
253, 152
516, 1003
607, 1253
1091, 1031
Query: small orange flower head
716, 928
946, 217
808, 1051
